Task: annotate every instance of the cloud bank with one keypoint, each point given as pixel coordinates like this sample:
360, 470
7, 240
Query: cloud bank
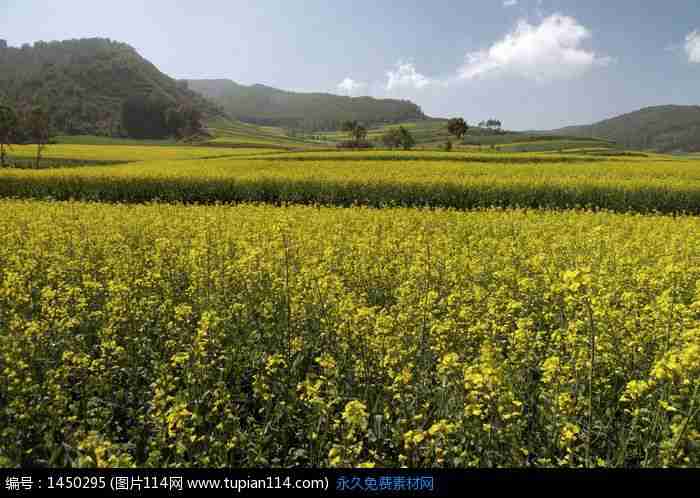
549, 51
405, 75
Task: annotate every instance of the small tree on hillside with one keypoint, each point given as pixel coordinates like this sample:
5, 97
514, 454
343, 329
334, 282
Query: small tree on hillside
360, 133
407, 140
8, 126
38, 124
357, 132
392, 138
457, 127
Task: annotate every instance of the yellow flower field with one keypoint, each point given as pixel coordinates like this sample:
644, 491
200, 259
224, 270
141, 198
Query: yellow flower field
171, 335
462, 181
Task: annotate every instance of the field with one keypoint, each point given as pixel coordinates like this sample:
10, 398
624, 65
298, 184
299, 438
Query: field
129, 153
434, 179
251, 307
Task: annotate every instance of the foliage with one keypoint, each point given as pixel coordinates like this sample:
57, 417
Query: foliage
457, 127
391, 139
153, 118
85, 83
407, 141
358, 133
256, 336
398, 137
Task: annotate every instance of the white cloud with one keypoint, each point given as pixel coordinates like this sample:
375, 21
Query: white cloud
404, 75
692, 46
548, 51
351, 87
510, 3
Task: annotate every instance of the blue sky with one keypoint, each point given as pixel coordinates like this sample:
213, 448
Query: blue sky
535, 64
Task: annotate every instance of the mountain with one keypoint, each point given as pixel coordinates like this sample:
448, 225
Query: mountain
670, 128
263, 105
85, 82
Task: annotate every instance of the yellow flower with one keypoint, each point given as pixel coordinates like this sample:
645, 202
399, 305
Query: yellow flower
355, 415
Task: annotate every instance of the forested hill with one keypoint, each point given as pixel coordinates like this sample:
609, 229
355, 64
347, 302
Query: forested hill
83, 83
670, 128
264, 105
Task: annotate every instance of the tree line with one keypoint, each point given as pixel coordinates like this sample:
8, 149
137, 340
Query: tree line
400, 137
392, 138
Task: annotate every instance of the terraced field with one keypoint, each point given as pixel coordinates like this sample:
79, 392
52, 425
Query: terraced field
237, 134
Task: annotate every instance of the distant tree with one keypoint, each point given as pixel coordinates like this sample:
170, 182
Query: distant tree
392, 138
8, 128
357, 132
360, 133
493, 124
407, 140
38, 126
448, 145
457, 127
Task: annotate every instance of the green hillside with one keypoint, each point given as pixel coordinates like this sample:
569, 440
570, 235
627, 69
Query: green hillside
83, 83
262, 105
669, 128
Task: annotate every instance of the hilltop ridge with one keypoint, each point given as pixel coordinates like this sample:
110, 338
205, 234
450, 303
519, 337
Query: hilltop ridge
265, 105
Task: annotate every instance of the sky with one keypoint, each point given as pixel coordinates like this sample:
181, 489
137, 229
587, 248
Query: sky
533, 64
